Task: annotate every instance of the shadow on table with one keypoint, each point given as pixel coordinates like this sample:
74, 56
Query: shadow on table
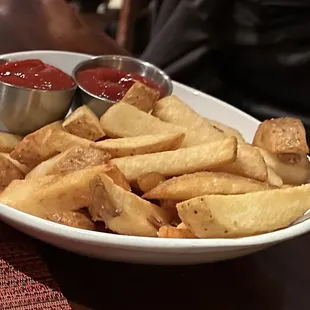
238, 284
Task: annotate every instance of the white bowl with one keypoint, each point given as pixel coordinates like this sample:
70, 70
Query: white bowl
144, 249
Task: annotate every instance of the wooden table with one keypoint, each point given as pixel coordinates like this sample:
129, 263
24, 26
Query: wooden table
276, 279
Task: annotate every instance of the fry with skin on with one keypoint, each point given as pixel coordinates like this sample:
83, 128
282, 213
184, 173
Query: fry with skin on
84, 124
124, 212
230, 216
130, 146
141, 96
282, 135
33, 150
54, 193
188, 186
187, 160
75, 158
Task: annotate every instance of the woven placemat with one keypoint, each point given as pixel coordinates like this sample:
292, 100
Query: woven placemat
25, 281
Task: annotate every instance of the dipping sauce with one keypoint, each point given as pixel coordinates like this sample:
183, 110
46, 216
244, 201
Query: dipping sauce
35, 74
111, 83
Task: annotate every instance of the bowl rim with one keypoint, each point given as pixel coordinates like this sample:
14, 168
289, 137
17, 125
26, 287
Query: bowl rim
75, 71
35, 89
98, 238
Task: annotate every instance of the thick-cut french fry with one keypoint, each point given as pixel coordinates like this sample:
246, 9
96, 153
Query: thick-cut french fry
249, 164
8, 142
76, 219
170, 207
204, 183
228, 131
8, 171
282, 135
33, 150
141, 96
17, 164
142, 145
168, 231
124, 212
148, 181
296, 174
220, 216
53, 193
84, 124
117, 176
172, 110
75, 158
273, 178
197, 158
124, 120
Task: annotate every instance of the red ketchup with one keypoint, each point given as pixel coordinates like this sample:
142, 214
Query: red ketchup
111, 83
34, 74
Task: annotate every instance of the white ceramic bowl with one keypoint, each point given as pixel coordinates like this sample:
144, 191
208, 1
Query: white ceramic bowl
143, 249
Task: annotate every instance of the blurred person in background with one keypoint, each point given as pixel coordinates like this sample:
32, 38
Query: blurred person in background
254, 54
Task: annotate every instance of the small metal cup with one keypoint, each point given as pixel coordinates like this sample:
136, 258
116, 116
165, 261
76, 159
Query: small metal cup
132, 65
24, 110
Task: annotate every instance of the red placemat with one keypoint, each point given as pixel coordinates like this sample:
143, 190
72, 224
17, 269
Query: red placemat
25, 281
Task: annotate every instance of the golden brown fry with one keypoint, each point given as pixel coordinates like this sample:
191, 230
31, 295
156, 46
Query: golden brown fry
124, 120
141, 96
228, 131
181, 161
75, 158
148, 181
220, 216
20, 166
142, 145
117, 176
168, 231
204, 183
282, 135
76, 219
8, 171
84, 124
296, 174
273, 178
172, 110
33, 149
8, 142
170, 207
124, 212
249, 164
53, 193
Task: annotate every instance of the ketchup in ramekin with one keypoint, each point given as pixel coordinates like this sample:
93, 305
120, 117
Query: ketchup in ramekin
35, 74
111, 83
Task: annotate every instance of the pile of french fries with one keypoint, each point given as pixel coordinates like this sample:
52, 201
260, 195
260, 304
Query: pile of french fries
156, 168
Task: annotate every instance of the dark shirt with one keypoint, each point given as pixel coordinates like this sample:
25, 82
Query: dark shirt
254, 54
